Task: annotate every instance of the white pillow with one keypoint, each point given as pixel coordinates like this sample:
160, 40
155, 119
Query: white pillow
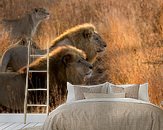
131, 91
71, 92
143, 92
70, 95
102, 95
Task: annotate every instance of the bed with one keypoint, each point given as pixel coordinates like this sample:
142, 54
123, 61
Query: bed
102, 109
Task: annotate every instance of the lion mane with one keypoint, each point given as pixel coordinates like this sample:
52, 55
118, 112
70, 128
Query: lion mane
57, 73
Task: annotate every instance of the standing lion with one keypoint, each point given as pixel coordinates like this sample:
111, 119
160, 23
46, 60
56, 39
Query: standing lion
26, 26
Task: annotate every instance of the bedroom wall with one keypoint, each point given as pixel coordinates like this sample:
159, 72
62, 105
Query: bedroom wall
133, 31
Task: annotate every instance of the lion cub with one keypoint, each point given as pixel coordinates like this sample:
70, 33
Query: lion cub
26, 26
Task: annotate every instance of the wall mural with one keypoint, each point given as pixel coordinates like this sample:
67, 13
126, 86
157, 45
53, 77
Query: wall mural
132, 30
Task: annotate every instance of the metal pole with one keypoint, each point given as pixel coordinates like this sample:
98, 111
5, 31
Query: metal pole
26, 86
47, 109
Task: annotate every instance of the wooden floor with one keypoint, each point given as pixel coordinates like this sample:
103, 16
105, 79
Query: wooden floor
15, 121
18, 126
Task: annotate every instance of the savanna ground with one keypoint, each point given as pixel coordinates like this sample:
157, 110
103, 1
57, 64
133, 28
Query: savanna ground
133, 30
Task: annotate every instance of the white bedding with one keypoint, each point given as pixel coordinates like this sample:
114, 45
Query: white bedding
105, 114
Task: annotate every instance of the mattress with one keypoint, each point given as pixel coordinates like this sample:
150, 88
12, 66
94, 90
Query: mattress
105, 114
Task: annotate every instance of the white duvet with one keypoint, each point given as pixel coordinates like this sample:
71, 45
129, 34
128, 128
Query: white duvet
105, 114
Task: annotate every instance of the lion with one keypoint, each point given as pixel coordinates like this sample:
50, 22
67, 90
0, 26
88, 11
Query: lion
26, 26
12, 87
61, 60
84, 37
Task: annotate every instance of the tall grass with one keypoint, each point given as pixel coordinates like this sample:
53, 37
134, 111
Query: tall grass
132, 30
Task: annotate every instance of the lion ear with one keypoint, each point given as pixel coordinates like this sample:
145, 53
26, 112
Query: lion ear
87, 34
67, 59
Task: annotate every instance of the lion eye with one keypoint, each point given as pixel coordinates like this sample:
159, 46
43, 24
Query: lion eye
96, 38
36, 10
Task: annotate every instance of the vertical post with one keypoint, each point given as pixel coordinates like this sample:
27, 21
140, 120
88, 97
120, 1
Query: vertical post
47, 108
26, 86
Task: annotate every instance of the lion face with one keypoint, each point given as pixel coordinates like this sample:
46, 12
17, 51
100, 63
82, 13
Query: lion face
91, 44
77, 69
98, 42
40, 13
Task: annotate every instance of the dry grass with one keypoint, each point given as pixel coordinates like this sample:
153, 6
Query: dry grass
132, 29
